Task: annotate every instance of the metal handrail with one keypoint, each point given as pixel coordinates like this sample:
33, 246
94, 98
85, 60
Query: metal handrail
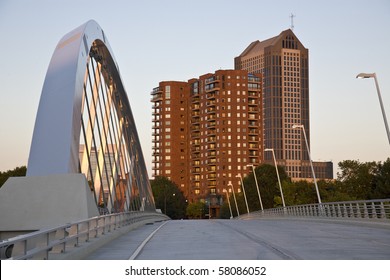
376, 209
38, 244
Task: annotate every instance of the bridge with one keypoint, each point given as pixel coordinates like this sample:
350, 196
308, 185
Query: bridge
87, 194
266, 239
328, 231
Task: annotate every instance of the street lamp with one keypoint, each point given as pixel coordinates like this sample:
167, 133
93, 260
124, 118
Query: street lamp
235, 200
277, 173
373, 75
257, 185
230, 207
243, 188
311, 163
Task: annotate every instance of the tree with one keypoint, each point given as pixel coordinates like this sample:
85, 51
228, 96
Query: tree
169, 198
17, 172
381, 183
300, 192
268, 185
196, 210
357, 179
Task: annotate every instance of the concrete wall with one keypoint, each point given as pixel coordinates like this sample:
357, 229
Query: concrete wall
38, 202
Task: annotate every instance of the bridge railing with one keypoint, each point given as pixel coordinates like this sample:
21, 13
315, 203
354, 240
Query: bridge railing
362, 209
40, 244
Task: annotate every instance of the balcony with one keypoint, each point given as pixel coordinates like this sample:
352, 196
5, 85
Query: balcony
253, 109
253, 146
211, 123
252, 124
196, 170
211, 131
252, 86
156, 104
195, 135
252, 116
212, 184
157, 97
211, 80
195, 99
156, 90
253, 94
195, 119
254, 79
211, 117
211, 147
212, 154
252, 139
253, 153
253, 102
210, 103
210, 96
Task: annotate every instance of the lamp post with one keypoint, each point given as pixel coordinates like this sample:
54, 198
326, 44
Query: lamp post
277, 173
373, 75
230, 207
235, 200
311, 163
243, 188
257, 185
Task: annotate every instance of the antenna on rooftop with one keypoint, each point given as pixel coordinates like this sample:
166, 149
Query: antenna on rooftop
292, 16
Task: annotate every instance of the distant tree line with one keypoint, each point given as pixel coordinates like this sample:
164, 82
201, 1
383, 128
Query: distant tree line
17, 172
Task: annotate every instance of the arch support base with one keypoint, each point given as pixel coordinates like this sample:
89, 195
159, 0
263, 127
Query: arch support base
38, 202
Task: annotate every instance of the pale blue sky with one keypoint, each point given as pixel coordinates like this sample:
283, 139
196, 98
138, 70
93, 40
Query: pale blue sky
178, 40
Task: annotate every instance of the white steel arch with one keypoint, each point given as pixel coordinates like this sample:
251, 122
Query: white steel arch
84, 124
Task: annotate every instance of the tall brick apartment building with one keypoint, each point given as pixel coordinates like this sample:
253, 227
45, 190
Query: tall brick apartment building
206, 131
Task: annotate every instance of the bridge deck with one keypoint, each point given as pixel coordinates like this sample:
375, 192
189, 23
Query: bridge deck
269, 239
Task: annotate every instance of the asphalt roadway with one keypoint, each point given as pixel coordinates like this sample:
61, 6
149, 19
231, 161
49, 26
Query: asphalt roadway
266, 239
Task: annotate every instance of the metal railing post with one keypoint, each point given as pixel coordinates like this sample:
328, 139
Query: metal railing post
374, 215
383, 212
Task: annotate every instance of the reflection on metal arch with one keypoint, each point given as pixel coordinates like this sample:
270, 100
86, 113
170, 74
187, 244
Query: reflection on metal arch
84, 124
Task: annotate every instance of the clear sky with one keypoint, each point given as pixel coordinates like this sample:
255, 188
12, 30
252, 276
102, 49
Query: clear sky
178, 40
